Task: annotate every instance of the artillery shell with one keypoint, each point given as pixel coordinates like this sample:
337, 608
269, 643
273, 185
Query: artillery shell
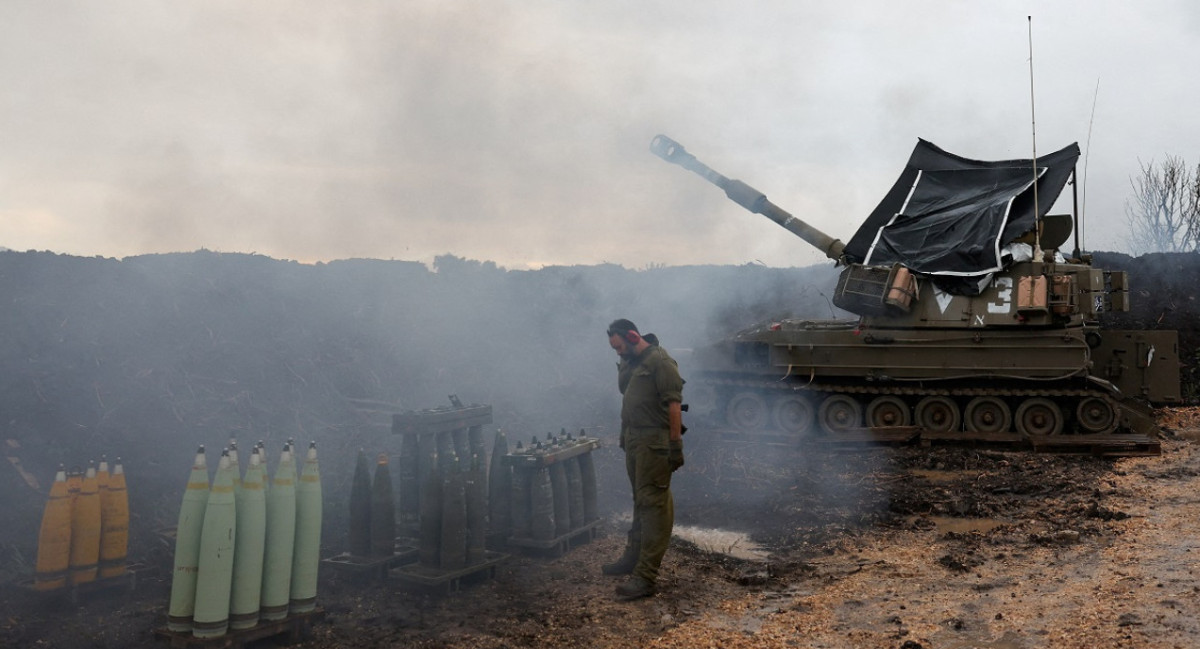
383, 510
410, 480
454, 521
360, 507
281, 539
306, 558
85, 529
500, 488
575, 492
541, 505
429, 543
561, 498
476, 493
214, 576
587, 474
54, 539
249, 548
187, 547
114, 523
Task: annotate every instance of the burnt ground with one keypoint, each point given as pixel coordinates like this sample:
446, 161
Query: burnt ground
870, 547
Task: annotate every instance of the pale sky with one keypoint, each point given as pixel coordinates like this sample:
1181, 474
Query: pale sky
517, 131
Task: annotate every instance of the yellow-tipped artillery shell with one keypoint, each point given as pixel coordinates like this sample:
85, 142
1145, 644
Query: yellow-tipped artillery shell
54, 539
85, 530
114, 523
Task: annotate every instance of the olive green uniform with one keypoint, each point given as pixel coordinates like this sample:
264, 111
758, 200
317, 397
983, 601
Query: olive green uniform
649, 383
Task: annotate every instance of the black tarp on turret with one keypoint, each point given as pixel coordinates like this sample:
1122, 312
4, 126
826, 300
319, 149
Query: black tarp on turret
950, 216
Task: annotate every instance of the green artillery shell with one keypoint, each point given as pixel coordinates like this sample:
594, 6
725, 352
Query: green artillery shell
249, 548
187, 547
237, 470
307, 556
281, 539
262, 455
214, 577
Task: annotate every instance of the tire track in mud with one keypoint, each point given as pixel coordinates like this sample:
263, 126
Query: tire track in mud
1119, 567
1146, 592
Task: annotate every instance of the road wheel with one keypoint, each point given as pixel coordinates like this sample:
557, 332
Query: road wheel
888, 411
988, 415
1096, 415
840, 413
1038, 416
704, 401
747, 411
794, 414
938, 414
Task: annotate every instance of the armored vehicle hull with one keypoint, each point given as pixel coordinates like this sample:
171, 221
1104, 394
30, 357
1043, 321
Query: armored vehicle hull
800, 379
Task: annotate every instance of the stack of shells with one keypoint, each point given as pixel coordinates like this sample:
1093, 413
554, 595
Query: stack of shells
443, 497
85, 527
372, 510
453, 504
549, 498
246, 549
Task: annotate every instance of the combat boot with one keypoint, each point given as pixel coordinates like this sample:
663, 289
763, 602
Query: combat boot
636, 588
624, 565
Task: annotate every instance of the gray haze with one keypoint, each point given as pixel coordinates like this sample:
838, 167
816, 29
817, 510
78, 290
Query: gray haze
517, 131
147, 357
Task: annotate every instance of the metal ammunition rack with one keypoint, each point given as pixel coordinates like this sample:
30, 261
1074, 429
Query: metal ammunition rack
552, 493
444, 495
405, 552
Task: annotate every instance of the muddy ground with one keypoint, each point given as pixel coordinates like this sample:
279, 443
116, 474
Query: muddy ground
897, 547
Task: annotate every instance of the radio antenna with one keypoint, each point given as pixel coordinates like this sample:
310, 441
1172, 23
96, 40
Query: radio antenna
1037, 218
1083, 205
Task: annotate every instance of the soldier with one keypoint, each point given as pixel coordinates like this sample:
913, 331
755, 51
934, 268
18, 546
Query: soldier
651, 435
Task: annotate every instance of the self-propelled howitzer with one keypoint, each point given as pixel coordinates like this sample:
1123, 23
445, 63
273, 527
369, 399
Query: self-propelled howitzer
972, 324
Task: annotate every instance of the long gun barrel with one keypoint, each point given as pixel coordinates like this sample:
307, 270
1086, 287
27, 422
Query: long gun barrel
747, 196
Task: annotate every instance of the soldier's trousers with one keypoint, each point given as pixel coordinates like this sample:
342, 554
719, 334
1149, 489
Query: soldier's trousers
649, 472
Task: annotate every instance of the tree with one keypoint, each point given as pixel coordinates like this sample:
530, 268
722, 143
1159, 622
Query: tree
1164, 212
